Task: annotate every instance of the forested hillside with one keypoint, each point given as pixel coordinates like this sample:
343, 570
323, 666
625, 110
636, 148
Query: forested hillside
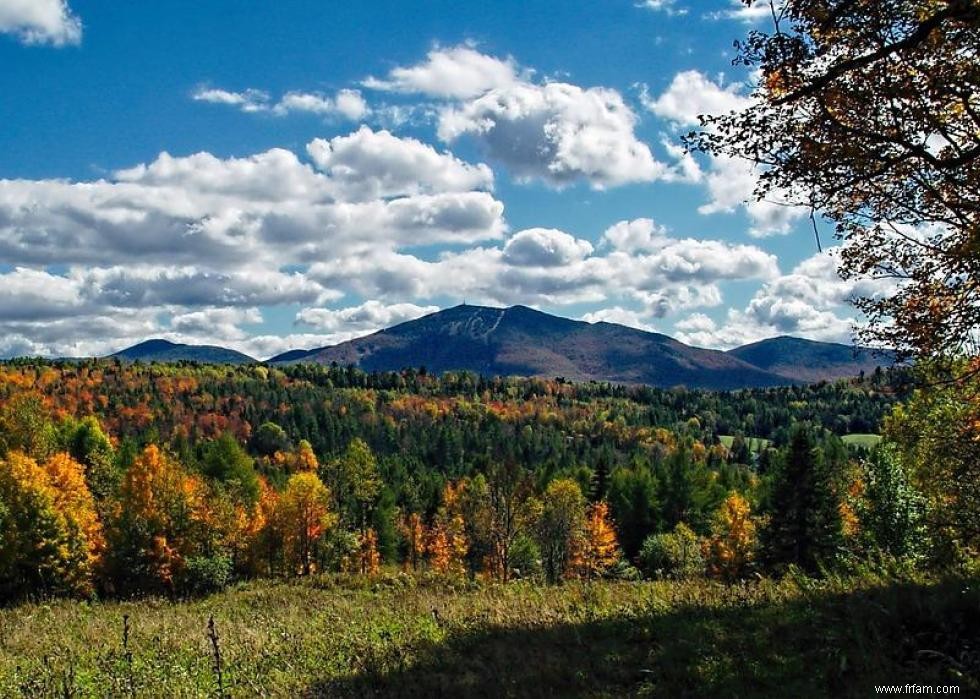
190, 475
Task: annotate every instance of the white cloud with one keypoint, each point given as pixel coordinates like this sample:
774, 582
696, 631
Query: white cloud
369, 165
368, 317
551, 131
758, 11
40, 22
459, 72
185, 247
545, 247
249, 100
557, 133
668, 7
348, 104
730, 182
807, 302
638, 235
691, 94
550, 267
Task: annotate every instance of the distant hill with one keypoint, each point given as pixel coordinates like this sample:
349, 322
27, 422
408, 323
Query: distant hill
166, 351
520, 341
808, 360
525, 342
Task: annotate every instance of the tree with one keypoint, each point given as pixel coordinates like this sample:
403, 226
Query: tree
354, 481
937, 435
890, 510
50, 535
25, 426
598, 549
303, 516
634, 506
88, 444
414, 533
270, 438
158, 522
869, 113
227, 463
804, 526
731, 547
559, 524
507, 489
448, 545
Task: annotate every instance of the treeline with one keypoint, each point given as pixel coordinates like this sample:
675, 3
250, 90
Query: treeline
550, 482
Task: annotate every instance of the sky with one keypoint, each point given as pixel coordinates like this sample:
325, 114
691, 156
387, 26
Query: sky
291, 174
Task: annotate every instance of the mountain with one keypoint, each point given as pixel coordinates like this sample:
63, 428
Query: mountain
166, 351
522, 341
808, 360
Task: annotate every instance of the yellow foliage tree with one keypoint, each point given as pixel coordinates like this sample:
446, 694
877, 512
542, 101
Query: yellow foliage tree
448, 545
597, 549
731, 548
303, 516
45, 542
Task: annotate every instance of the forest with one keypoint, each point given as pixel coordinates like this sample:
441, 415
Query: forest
183, 529
179, 479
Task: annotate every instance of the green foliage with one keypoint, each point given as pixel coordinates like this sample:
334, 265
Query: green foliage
634, 505
270, 438
937, 438
225, 461
204, 575
805, 527
674, 555
891, 511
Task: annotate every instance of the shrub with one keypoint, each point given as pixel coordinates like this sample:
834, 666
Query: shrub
674, 555
203, 575
525, 557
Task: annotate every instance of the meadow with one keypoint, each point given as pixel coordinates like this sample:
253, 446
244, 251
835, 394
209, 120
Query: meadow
398, 635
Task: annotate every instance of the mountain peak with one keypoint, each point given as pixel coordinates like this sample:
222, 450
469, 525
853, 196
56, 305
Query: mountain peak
160, 350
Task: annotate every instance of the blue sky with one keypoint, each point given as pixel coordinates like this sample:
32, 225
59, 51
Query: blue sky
274, 175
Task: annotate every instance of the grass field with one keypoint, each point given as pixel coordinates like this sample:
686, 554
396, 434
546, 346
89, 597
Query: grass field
868, 441
395, 637
756, 444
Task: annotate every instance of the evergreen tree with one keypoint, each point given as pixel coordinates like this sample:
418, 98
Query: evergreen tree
805, 524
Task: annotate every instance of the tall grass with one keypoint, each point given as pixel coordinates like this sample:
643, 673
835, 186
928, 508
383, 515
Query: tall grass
398, 636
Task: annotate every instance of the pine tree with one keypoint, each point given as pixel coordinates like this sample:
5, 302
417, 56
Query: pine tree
804, 525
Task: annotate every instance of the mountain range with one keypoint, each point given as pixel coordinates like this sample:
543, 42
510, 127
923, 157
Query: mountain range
524, 342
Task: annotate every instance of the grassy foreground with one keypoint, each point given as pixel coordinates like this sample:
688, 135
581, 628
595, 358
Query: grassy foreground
394, 636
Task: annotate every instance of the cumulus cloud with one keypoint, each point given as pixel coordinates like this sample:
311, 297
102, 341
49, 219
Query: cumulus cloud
691, 94
551, 267
806, 302
367, 317
556, 132
730, 182
371, 164
458, 72
551, 131
195, 244
40, 22
544, 247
